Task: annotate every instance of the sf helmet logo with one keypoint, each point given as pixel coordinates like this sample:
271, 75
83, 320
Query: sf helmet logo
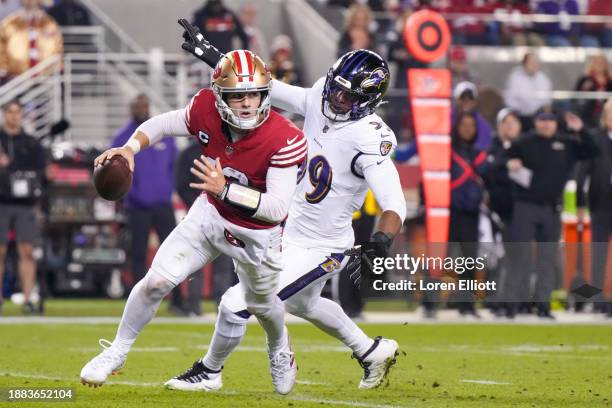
376, 79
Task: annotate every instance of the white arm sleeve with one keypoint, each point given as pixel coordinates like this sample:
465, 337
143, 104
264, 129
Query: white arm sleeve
288, 97
383, 179
281, 183
167, 124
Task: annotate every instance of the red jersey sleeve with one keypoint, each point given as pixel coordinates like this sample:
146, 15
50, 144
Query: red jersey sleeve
292, 151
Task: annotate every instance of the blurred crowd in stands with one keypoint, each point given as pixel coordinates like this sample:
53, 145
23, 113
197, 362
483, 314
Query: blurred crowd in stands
488, 22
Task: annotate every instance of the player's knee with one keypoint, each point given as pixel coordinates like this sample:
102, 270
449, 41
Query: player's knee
229, 324
156, 286
262, 309
299, 305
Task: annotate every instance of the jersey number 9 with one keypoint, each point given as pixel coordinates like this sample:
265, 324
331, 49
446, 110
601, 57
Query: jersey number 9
320, 174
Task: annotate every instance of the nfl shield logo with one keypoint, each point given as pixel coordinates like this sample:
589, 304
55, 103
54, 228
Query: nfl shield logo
385, 148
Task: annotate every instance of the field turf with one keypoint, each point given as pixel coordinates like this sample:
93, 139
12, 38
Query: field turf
441, 366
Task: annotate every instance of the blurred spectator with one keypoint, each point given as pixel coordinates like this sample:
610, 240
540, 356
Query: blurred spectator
465, 97
540, 164
149, 201
8, 6
514, 30
596, 78
558, 34
27, 37
458, 66
499, 185
470, 29
257, 42
398, 54
358, 28
598, 171
22, 166
501, 198
399, 116
468, 166
70, 13
281, 65
220, 26
599, 33
528, 89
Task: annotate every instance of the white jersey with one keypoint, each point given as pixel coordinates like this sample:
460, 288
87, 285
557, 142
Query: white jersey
333, 185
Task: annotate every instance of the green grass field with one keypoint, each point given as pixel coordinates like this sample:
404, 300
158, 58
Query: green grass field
443, 366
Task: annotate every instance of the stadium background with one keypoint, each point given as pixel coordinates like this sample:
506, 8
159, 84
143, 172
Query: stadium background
133, 48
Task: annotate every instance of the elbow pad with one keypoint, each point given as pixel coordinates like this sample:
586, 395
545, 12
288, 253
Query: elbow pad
241, 196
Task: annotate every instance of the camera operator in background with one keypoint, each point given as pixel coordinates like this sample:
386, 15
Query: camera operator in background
22, 166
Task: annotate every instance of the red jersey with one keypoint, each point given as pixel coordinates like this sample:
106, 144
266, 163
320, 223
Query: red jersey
275, 143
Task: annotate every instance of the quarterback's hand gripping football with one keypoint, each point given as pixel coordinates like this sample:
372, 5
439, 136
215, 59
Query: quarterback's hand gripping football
197, 45
125, 152
213, 180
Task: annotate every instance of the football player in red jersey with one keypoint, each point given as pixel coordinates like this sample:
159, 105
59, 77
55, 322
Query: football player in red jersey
249, 166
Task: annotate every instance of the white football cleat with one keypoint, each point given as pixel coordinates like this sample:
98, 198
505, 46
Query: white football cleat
196, 378
377, 361
108, 362
283, 370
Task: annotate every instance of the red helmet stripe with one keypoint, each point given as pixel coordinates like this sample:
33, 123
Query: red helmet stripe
249, 58
237, 58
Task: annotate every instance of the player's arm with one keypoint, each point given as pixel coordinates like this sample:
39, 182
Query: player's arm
289, 97
271, 206
148, 133
384, 181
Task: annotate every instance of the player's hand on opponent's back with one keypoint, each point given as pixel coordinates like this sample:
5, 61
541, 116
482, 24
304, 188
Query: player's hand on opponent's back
197, 45
125, 152
213, 180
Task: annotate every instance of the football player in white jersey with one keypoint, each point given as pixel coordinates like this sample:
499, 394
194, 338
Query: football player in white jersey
349, 150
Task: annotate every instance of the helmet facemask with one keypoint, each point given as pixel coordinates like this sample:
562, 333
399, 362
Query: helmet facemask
341, 104
232, 116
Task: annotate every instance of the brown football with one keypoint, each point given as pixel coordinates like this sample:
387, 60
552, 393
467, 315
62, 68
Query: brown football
113, 179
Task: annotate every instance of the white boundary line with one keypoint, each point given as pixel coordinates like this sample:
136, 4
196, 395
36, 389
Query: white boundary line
485, 382
444, 317
296, 397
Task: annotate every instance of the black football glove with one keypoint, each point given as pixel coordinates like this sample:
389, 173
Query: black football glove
197, 45
359, 256
353, 267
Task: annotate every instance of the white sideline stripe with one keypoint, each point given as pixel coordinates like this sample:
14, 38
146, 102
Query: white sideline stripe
444, 317
485, 382
302, 398
305, 349
133, 349
306, 382
340, 402
76, 379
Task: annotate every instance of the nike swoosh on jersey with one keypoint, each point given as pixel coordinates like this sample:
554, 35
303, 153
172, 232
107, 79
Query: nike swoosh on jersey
378, 162
290, 141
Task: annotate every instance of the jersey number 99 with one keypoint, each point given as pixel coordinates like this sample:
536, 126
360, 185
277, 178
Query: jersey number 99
320, 175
